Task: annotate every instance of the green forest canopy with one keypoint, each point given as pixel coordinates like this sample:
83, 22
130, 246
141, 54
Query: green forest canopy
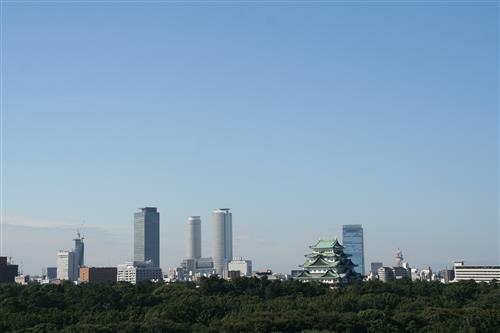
251, 305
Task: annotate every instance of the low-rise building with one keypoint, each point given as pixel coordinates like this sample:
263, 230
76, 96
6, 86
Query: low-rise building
98, 274
393, 273
475, 273
243, 266
136, 271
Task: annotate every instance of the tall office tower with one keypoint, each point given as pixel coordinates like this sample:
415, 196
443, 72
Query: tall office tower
79, 249
194, 237
67, 266
352, 237
222, 242
147, 236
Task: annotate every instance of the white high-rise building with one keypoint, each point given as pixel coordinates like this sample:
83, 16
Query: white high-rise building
194, 237
67, 266
222, 243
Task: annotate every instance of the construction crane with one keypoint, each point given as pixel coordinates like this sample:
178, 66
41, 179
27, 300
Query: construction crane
78, 231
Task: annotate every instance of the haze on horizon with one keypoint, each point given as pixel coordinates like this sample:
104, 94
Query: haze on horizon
300, 117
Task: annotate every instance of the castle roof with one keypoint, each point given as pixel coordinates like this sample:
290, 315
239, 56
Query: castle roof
324, 244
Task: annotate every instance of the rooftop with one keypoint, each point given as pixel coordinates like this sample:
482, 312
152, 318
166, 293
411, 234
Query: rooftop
326, 244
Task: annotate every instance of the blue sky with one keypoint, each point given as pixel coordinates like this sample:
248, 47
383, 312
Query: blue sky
301, 117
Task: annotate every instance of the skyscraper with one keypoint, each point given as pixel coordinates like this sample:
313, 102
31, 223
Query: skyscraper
79, 250
67, 266
222, 239
352, 237
147, 236
194, 237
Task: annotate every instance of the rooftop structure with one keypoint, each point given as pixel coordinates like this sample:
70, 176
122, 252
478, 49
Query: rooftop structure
265, 273
328, 264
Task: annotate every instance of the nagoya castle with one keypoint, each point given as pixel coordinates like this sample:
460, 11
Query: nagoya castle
328, 264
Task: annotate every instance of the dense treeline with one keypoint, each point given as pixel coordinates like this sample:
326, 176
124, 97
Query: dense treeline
251, 305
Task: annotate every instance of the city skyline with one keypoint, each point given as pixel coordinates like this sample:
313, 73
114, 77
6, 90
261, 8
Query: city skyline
193, 242
301, 118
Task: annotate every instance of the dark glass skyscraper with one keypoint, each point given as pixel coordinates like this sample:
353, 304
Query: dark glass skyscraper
352, 237
147, 236
79, 250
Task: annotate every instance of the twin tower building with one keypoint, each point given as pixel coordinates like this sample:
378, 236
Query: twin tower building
147, 240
